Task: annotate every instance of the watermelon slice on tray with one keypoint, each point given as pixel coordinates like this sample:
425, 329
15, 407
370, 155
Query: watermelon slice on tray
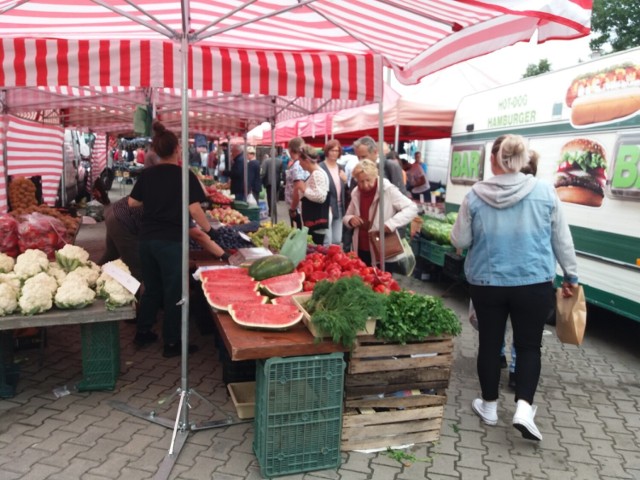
221, 299
283, 285
284, 300
267, 316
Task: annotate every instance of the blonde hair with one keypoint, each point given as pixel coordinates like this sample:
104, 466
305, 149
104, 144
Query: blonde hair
512, 154
367, 167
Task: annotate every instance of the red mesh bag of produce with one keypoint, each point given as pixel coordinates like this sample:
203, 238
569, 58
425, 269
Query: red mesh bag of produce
41, 232
9, 236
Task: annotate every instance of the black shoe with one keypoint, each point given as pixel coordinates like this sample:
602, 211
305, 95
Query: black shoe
512, 381
503, 361
145, 338
174, 350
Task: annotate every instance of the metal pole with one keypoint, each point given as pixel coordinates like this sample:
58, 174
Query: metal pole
381, 161
275, 182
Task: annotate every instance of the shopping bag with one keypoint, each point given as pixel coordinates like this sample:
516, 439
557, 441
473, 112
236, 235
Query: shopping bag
407, 262
473, 317
392, 245
571, 316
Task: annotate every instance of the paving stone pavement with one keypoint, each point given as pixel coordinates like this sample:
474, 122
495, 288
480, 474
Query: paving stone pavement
588, 412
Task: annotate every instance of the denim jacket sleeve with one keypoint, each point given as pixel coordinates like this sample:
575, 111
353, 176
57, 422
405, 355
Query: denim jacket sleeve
562, 244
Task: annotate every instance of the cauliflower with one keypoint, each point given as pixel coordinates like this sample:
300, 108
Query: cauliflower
8, 299
6, 263
37, 294
74, 293
11, 279
114, 293
71, 257
30, 263
57, 272
88, 274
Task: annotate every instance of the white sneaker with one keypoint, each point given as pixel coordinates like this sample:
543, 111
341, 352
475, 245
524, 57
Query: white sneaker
523, 421
487, 411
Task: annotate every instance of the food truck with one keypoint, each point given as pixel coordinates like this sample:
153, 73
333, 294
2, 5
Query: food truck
584, 122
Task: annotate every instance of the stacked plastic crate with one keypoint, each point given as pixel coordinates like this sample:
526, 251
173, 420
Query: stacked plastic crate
298, 413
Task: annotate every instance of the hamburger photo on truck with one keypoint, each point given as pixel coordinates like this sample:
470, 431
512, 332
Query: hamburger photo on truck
582, 173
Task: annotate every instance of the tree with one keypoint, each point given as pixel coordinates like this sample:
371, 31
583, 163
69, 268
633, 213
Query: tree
543, 66
615, 23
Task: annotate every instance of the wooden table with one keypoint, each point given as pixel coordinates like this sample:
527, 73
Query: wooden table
100, 339
245, 344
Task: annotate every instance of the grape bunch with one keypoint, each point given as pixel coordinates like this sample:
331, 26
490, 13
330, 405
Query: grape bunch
230, 239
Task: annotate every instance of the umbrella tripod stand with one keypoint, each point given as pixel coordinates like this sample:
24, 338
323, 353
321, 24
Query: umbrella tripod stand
181, 426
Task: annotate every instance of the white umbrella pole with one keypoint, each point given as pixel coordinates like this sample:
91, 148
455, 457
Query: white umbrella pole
380, 181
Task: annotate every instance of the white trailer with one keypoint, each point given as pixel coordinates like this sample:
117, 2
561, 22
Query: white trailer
594, 102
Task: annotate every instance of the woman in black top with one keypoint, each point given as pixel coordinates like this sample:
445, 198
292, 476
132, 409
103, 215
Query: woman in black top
159, 189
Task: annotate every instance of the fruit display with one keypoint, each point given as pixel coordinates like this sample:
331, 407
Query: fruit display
229, 239
273, 236
218, 197
228, 216
70, 223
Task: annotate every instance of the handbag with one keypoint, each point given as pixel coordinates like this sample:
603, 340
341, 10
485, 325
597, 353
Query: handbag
392, 244
315, 216
571, 316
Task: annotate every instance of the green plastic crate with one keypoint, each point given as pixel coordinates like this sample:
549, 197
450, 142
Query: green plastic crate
100, 356
434, 252
298, 414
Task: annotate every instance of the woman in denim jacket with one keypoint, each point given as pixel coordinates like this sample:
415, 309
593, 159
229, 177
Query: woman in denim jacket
515, 231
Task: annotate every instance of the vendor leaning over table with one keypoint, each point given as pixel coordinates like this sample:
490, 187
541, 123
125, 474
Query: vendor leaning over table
159, 189
363, 211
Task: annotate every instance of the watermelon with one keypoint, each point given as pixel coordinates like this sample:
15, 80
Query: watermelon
222, 273
221, 299
283, 284
283, 300
271, 266
226, 283
267, 316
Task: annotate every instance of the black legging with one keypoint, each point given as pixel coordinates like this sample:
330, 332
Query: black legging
528, 306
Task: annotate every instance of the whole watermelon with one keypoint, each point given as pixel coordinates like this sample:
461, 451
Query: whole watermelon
271, 266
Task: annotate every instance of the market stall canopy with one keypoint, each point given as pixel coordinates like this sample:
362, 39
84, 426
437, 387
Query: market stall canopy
435, 34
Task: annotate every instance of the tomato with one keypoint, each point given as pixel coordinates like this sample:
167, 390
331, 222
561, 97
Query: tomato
334, 250
318, 275
307, 286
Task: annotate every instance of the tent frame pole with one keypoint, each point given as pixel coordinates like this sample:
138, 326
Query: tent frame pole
181, 426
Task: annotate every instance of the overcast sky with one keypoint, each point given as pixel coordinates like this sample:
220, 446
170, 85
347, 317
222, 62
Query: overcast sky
500, 67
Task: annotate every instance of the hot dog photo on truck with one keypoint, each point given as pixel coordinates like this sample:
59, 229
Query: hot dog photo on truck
584, 122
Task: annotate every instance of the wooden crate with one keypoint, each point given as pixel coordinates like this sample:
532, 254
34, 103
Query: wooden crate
395, 394
393, 421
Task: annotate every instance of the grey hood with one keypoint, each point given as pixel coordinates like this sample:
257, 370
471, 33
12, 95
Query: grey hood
503, 191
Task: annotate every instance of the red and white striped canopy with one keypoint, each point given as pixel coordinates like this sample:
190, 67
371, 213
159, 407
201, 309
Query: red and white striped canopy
278, 47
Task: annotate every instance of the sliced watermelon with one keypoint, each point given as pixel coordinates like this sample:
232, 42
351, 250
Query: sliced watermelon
267, 316
283, 284
240, 283
222, 299
283, 300
221, 273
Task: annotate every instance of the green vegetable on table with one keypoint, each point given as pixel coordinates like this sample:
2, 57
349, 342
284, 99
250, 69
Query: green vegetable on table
341, 308
411, 316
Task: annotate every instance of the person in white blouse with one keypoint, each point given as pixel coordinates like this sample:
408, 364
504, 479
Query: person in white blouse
314, 196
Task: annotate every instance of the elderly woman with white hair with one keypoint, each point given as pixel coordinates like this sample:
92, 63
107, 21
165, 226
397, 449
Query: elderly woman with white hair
363, 212
515, 231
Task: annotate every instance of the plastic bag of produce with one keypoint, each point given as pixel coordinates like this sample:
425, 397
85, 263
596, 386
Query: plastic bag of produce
41, 232
95, 210
295, 246
9, 236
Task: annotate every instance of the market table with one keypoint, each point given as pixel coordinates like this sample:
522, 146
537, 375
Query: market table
100, 340
245, 344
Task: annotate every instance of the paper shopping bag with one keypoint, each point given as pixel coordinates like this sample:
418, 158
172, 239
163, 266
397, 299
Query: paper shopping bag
571, 316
